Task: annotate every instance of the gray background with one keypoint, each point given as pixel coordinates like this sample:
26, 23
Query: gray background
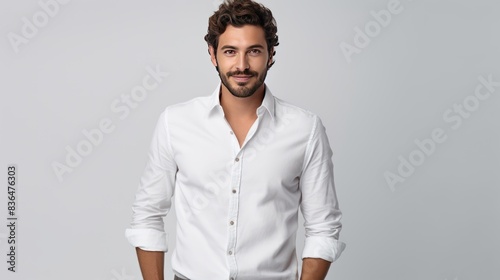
440, 223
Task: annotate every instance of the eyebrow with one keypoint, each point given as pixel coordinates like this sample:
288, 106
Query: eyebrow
256, 46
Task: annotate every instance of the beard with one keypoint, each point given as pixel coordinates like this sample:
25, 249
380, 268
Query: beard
243, 89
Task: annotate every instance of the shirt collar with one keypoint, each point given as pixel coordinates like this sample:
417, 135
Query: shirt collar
268, 103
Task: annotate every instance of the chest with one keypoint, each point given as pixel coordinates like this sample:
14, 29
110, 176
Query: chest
240, 129
271, 155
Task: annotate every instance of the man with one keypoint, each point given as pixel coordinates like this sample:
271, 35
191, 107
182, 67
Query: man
241, 162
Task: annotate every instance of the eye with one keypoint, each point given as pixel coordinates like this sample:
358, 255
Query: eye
255, 52
229, 52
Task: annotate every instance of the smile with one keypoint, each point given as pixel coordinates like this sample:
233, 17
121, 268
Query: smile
241, 79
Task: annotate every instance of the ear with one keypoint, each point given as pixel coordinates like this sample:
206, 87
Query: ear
211, 50
270, 60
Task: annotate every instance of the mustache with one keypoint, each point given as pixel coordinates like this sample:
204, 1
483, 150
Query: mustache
246, 73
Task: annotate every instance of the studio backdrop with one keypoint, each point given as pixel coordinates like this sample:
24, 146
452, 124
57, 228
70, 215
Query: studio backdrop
409, 93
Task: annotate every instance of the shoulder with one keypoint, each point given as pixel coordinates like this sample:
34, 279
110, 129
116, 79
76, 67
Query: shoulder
293, 114
189, 108
197, 102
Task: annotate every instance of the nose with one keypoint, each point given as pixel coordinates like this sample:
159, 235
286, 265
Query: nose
242, 63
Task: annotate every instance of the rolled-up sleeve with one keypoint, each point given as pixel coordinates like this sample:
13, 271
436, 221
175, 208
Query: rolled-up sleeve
319, 203
154, 195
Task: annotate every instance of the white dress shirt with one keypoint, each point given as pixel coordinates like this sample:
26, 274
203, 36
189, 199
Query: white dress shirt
237, 207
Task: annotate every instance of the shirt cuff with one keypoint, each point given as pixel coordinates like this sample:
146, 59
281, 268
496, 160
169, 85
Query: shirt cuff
147, 239
322, 247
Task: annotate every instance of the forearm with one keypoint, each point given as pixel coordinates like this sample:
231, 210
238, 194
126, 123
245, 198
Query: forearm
151, 263
314, 269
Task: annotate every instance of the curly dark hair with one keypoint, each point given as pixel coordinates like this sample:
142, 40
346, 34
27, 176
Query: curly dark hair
238, 13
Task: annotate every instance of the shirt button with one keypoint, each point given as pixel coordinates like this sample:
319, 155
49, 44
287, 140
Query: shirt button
234, 191
231, 223
230, 252
231, 278
236, 159
231, 132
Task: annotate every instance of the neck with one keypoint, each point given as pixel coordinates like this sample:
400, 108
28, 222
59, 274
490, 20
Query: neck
241, 107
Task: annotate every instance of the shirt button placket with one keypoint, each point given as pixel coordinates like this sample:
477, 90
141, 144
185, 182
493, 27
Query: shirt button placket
233, 214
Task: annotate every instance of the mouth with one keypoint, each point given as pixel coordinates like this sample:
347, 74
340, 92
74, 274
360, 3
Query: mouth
241, 78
